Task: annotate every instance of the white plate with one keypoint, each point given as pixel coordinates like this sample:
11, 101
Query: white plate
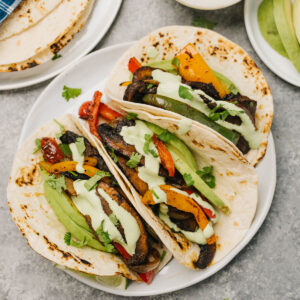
89, 74
280, 65
99, 21
208, 4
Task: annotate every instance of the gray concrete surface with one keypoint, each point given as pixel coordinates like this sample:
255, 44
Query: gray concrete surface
268, 268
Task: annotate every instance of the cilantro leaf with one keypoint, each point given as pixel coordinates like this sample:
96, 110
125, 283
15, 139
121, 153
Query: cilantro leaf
113, 155
73, 173
61, 127
92, 182
165, 136
153, 152
188, 179
185, 93
38, 145
163, 255
68, 240
65, 149
104, 238
80, 145
69, 93
114, 219
57, 183
215, 114
175, 62
207, 175
56, 56
203, 22
148, 140
155, 195
131, 116
150, 85
134, 160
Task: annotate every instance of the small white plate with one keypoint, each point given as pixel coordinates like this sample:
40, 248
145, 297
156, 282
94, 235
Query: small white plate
280, 65
208, 4
90, 74
99, 21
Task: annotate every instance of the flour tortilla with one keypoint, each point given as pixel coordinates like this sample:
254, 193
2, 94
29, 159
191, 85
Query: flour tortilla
49, 52
46, 32
221, 54
27, 14
236, 185
37, 221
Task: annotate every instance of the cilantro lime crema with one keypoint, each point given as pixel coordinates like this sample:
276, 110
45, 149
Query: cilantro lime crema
170, 86
88, 203
198, 236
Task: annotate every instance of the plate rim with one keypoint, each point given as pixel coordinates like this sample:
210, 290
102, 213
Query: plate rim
116, 4
213, 269
207, 7
258, 50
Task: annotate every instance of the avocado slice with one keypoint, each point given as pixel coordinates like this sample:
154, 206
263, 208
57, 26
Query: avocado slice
284, 21
229, 85
68, 215
199, 184
268, 28
296, 17
184, 151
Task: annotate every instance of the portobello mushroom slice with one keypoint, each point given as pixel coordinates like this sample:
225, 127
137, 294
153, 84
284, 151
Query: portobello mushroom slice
207, 253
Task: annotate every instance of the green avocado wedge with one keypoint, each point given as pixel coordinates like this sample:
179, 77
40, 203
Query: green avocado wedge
284, 22
296, 18
268, 28
70, 217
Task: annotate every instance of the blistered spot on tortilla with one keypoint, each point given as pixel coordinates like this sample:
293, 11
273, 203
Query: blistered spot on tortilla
85, 262
243, 182
216, 148
219, 246
229, 173
28, 176
235, 223
196, 143
212, 159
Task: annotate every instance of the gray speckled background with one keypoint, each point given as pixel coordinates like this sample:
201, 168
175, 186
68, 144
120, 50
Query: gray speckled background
268, 268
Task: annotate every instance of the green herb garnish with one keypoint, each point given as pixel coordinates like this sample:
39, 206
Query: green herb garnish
38, 145
147, 143
153, 152
57, 183
188, 179
215, 116
131, 116
61, 127
185, 93
134, 160
68, 240
175, 62
114, 219
65, 149
80, 145
69, 93
56, 56
104, 238
166, 136
113, 155
150, 85
155, 195
73, 173
163, 255
203, 22
207, 175
92, 182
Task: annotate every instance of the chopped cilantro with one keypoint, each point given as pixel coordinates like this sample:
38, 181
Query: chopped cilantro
134, 160
61, 127
215, 116
207, 175
65, 149
131, 116
175, 62
155, 195
68, 240
69, 93
80, 145
153, 152
251, 104
38, 145
188, 179
73, 173
56, 56
57, 183
165, 136
203, 22
185, 93
163, 255
150, 85
104, 238
113, 155
114, 219
92, 182
147, 143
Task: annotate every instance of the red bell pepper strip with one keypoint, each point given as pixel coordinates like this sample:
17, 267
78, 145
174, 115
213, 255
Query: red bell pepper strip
147, 276
51, 151
85, 110
108, 113
133, 64
122, 250
165, 156
94, 115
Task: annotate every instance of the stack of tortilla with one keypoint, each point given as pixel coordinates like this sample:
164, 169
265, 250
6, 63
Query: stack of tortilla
38, 29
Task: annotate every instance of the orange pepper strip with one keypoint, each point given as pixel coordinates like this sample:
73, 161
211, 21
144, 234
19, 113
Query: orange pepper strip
183, 203
192, 67
91, 161
126, 83
165, 156
107, 113
133, 64
94, 115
